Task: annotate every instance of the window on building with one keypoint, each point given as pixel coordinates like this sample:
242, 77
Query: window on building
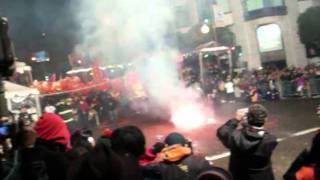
252, 5
269, 38
273, 3
225, 5
205, 10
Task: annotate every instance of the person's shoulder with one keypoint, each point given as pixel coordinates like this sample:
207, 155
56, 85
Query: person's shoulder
196, 159
270, 138
199, 157
197, 162
238, 134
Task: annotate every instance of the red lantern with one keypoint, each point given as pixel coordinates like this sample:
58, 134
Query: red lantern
45, 87
103, 85
76, 79
64, 84
56, 86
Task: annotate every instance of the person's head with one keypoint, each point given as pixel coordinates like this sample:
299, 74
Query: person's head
68, 101
24, 108
105, 136
175, 138
51, 128
49, 109
257, 115
106, 132
176, 148
128, 139
25, 120
81, 141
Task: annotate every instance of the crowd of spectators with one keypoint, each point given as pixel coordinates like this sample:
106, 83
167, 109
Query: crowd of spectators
260, 85
46, 149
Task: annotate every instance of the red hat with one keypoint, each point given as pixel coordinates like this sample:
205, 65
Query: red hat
51, 127
106, 132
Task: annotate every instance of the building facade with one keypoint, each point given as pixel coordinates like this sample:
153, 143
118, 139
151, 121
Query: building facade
266, 30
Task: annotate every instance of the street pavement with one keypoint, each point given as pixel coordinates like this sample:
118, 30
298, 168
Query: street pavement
293, 121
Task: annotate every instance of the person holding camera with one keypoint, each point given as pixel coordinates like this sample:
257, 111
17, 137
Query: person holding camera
251, 146
37, 151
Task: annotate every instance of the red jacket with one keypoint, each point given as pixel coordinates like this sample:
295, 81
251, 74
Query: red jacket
147, 158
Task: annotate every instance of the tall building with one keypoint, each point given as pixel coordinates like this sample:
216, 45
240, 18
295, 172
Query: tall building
266, 30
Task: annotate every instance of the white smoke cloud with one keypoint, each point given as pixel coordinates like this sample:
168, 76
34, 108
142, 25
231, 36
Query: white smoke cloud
123, 29
136, 30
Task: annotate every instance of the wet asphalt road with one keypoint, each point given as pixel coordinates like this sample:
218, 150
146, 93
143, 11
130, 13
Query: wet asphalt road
285, 118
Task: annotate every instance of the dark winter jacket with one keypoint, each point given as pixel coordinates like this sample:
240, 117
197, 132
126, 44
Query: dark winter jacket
38, 163
308, 157
102, 163
251, 151
179, 164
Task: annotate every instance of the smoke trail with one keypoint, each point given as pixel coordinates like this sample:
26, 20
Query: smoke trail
123, 29
131, 30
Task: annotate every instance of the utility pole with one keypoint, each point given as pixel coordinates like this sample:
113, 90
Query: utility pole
7, 63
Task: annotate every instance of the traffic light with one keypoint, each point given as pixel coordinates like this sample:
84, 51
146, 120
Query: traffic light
7, 57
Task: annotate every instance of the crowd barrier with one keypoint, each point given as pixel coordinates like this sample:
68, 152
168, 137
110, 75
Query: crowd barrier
311, 88
314, 86
287, 89
263, 88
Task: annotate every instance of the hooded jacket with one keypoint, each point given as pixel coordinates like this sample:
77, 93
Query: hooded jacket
251, 149
47, 159
307, 163
50, 127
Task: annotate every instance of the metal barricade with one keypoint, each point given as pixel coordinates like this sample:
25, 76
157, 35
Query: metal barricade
288, 88
263, 87
314, 85
311, 89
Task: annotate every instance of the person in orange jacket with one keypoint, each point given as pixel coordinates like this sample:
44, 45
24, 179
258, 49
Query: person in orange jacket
176, 161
